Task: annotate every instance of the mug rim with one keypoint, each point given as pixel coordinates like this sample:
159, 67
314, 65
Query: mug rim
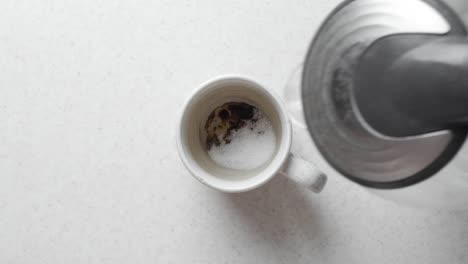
280, 157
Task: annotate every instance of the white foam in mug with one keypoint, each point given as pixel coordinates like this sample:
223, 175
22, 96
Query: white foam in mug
249, 147
219, 173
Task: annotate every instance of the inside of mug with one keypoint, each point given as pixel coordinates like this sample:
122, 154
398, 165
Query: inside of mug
193, 133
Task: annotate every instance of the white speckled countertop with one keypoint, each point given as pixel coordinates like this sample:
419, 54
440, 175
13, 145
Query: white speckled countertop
89, 94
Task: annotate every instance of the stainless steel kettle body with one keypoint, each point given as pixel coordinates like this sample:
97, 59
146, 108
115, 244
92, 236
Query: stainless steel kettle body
460, 7
385, 98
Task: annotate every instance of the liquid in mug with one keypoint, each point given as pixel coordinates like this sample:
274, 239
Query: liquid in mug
240, 136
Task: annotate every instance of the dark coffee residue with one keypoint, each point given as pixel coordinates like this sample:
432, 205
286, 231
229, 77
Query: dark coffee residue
226, 119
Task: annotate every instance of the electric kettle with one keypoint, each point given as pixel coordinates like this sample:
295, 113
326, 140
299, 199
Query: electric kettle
385, 98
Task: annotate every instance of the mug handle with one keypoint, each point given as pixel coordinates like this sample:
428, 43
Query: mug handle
304, 173
298, 170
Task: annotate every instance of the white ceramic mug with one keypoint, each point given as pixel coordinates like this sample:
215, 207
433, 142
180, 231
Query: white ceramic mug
193, 152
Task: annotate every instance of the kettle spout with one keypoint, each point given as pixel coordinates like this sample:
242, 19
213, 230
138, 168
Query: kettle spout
409, 85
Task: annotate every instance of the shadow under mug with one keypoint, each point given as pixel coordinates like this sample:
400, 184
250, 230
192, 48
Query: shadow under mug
191, 137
